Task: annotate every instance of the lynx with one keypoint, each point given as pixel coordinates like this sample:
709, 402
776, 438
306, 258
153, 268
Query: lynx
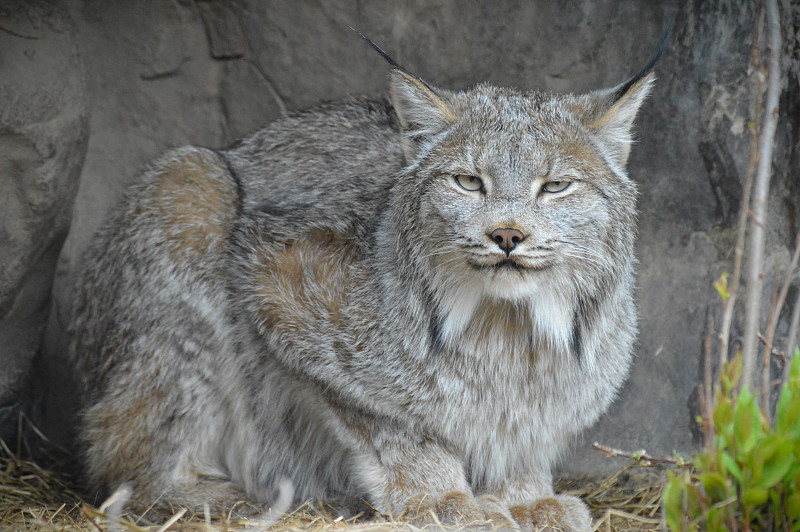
420, 301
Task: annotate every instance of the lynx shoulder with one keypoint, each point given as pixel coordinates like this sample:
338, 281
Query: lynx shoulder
418, 301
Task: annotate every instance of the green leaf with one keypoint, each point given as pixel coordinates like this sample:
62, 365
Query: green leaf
673, 510
747, 428
732, 466
715, 520
754, 496
680, 461
729, 377
722, 286
715, 484
787, 416
795, 467
794, 371
781, 411
723, 419
793, 505
771, 461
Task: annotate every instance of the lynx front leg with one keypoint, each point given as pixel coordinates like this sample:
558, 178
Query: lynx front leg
560, 513
535, 507
418, 479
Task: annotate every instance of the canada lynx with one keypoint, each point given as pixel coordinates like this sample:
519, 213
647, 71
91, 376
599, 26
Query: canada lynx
418, 301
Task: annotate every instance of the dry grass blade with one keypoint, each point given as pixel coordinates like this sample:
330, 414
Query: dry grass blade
627, 500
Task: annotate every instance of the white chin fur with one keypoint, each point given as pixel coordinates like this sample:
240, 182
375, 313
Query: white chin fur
510, 285
547, 301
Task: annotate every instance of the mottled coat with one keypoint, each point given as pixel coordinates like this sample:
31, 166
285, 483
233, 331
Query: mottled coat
420, 302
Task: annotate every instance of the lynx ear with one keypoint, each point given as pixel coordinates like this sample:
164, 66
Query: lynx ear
617, 109
422, 112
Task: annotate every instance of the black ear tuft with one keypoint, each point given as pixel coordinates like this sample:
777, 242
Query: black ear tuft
421, 109
625, 87
379, 50
395, 65
617, 107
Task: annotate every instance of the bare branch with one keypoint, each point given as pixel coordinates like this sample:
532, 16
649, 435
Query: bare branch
760, 194
729, 304
766, 359
774, 352
639, 456
777, 306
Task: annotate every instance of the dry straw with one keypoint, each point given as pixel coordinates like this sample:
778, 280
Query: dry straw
38, 498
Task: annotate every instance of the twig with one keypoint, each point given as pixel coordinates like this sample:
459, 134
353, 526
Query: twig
774, 352
172, 520
776, 312
639, 456
611, 512
760, 194
774, 309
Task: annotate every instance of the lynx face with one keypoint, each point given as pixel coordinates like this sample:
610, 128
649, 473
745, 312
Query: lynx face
523, 195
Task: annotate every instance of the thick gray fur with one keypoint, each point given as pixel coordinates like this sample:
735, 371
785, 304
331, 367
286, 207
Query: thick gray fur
326, 302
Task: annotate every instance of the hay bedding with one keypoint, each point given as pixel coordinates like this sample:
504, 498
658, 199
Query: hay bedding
39, 497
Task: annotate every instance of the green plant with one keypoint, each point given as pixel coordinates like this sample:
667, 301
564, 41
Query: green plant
749, 478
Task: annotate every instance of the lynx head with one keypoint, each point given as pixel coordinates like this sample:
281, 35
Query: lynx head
515, 198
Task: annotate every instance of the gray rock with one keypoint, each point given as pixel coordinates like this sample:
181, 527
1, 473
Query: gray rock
43, 138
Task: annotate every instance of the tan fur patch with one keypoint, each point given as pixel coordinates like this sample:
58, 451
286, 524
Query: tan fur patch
424, 92
306, 282
127, 426
549, 514
458, 507
584, 154
194, 199
522, 515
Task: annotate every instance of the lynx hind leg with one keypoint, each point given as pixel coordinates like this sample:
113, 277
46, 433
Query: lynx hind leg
558, 513
152, 334
192, 199
161, 433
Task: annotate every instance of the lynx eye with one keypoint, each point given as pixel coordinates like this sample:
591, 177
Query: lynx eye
469, 182
556, 186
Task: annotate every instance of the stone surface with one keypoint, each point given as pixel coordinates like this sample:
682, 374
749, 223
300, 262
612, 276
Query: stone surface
43, 135
163, 73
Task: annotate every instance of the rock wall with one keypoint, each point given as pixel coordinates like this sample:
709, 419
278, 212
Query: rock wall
160, 73
43, 137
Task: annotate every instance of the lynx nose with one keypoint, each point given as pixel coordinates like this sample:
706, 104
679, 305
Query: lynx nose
507, 238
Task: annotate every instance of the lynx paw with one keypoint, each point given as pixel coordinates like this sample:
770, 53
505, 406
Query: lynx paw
562, 513
458, 508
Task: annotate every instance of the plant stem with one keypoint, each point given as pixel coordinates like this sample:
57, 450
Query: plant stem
774, 308
760, 194
706, 391
792, 341
775, 312
728, 305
